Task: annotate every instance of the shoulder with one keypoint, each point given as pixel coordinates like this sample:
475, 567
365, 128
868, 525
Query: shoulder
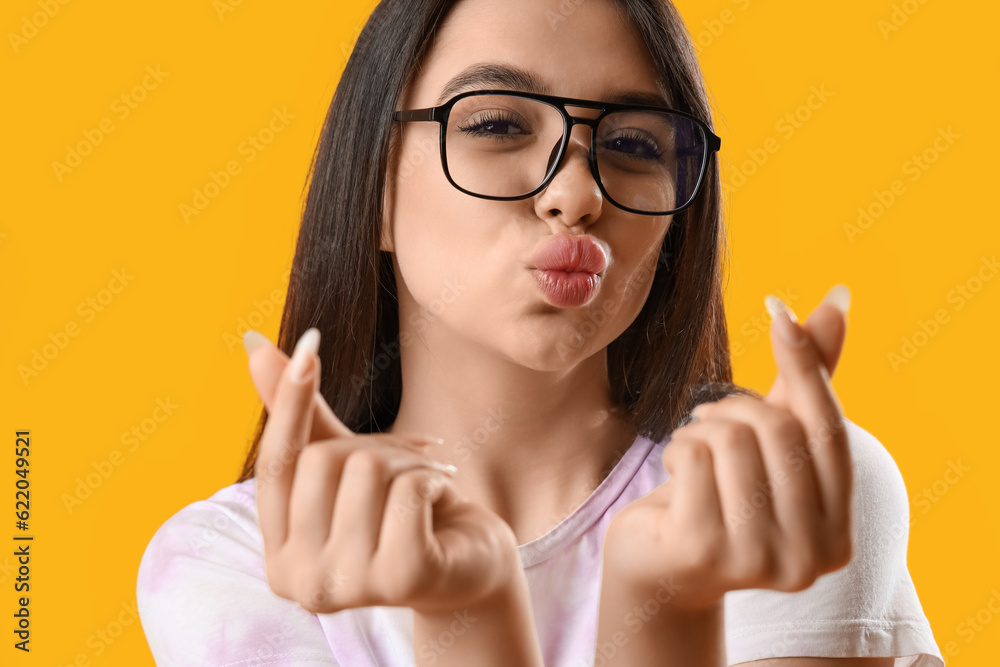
202, 591
867, 608
213, 527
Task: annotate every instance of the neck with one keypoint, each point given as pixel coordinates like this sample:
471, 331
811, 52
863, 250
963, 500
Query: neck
529, 444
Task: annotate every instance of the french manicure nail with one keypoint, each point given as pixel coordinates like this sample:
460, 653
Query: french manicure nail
444, 467
787, 326
775, 305
252, 340
305, 348
840, 297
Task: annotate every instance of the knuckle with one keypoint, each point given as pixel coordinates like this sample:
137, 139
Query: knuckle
786, 427
400, 584
727, 401
797, 578
311, 456
692, 451
710, 548
366, 463
315, 591
754, 564
838, 552
276, 580
735, 438
800, 571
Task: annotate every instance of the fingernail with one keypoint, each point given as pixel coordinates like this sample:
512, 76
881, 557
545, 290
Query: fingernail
443, 467
785, 320
306, 346
424, 438
252, 340
840, 297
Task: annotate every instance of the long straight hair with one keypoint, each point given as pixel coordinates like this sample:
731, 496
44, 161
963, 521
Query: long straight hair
674, 355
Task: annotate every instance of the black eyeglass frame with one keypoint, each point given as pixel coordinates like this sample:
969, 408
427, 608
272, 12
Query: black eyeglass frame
440, 114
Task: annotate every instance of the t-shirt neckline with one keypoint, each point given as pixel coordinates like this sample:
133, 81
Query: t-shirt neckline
591, 509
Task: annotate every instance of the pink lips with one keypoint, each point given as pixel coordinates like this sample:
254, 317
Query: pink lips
568, 269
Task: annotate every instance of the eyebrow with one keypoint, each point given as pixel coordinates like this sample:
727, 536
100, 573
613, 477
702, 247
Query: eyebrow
503, 75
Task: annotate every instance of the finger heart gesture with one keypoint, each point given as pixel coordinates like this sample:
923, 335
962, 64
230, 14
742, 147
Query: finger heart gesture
759, 491
354, 520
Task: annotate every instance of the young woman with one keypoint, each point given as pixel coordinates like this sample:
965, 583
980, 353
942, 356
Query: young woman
505, 302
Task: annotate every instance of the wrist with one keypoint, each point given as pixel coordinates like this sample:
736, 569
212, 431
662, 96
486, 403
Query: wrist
651, 625
680, 593
497, 629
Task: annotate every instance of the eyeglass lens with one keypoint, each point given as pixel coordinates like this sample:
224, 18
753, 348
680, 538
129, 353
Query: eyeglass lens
504, 146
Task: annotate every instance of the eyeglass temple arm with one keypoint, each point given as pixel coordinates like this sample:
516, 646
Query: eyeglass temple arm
415, 114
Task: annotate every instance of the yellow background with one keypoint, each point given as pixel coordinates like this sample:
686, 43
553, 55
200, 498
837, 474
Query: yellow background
164, 334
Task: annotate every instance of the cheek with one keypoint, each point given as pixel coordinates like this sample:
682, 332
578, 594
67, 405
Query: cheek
629, 279
440, 237
629, 288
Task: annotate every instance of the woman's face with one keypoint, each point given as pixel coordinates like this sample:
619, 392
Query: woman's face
463, 264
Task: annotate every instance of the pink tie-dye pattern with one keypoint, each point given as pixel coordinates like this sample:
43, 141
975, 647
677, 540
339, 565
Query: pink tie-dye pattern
204, 599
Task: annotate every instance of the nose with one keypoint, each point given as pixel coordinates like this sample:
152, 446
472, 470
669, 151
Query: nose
573, 197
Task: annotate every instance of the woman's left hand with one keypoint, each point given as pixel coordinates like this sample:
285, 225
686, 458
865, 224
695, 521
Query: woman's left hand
760, 490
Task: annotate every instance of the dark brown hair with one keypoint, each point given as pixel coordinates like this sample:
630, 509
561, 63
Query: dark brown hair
672, 357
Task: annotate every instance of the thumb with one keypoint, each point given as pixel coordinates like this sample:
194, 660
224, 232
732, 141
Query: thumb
809, 395
267, 363
827, 326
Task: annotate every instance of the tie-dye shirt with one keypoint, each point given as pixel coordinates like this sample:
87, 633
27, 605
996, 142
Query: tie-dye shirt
204, 600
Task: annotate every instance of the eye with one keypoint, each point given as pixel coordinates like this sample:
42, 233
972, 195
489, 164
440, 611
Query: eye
494, 125
633, 145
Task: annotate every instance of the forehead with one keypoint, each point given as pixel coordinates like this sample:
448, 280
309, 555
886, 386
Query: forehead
580, 49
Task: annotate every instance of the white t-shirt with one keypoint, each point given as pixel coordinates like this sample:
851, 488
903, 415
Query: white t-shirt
204, 601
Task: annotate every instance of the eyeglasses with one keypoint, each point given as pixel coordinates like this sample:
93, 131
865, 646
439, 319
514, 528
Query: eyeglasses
507, 145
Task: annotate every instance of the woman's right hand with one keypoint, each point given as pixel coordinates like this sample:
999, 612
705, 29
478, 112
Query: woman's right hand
355, 520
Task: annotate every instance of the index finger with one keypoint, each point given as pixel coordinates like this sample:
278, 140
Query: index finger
284, 435
811, 399
267, 363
